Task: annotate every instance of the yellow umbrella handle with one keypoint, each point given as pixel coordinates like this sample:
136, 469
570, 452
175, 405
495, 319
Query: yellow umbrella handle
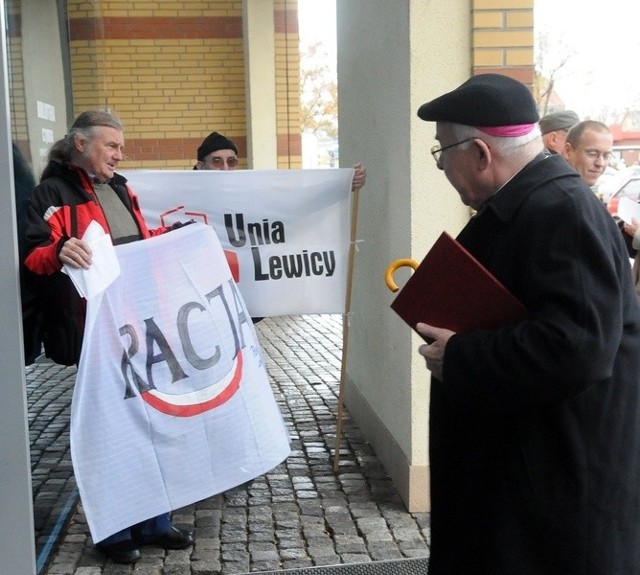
391, 269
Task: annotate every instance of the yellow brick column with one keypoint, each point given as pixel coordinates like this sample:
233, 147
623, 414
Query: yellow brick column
287, 54
502, 38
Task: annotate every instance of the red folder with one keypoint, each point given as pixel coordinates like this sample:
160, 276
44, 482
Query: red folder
453, 290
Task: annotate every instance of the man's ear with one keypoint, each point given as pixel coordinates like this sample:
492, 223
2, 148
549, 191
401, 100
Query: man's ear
484, 154
79, 142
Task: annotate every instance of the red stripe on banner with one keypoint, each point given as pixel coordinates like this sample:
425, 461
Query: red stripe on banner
197, 408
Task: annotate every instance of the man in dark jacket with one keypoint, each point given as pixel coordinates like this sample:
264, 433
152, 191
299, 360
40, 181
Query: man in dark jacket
78, 186
534, 427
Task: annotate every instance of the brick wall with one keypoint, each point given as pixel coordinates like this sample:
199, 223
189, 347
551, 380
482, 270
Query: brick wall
288, 84
19, 133
503, 38
174, 72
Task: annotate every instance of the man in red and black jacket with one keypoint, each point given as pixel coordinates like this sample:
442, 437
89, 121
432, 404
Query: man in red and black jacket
79, 185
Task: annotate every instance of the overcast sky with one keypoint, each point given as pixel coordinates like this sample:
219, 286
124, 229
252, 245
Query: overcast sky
604, 40
317, 21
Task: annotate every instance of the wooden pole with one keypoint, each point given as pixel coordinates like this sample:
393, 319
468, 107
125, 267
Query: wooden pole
345, 328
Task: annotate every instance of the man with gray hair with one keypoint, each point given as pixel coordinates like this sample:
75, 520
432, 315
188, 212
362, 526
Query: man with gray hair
534, 427
80, 185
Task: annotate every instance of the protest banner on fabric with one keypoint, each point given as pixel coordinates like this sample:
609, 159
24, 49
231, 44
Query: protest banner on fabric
172, 402
285, 232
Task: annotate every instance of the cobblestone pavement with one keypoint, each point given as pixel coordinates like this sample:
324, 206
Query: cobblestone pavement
300, 514
49, 391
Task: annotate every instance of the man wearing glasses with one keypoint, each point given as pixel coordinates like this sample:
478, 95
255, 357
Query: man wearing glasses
534, 427
217, 153
588, 149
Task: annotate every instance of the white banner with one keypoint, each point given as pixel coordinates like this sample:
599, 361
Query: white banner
172, 402
286, 233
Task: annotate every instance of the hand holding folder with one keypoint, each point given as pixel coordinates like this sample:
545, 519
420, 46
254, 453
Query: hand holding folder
451, 289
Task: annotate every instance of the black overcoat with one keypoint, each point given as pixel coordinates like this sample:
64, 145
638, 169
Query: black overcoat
535, 428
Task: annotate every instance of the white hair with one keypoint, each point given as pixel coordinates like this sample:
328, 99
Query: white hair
505, 146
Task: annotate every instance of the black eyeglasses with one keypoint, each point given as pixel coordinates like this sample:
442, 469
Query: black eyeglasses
436, 151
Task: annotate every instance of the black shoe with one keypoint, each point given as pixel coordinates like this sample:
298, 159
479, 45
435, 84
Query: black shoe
173, 539
121, 552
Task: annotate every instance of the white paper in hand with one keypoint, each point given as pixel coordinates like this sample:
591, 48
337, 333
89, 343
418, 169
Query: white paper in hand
104, 266
628, 210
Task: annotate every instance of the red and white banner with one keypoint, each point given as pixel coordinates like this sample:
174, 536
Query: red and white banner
172, 402
286, 233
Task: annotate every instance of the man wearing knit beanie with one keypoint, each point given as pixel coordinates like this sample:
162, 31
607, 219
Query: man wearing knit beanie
217, 152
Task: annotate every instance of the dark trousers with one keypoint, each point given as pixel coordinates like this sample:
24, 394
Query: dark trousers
148, 529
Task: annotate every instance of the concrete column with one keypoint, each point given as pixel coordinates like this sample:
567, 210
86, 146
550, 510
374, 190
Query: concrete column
393, 57
260, 74
17, 547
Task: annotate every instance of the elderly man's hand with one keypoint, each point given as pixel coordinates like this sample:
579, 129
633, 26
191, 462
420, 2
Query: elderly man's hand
359, 178
434, 352
75, 253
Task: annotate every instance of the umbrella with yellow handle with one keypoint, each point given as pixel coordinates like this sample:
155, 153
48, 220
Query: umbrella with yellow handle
393, 266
